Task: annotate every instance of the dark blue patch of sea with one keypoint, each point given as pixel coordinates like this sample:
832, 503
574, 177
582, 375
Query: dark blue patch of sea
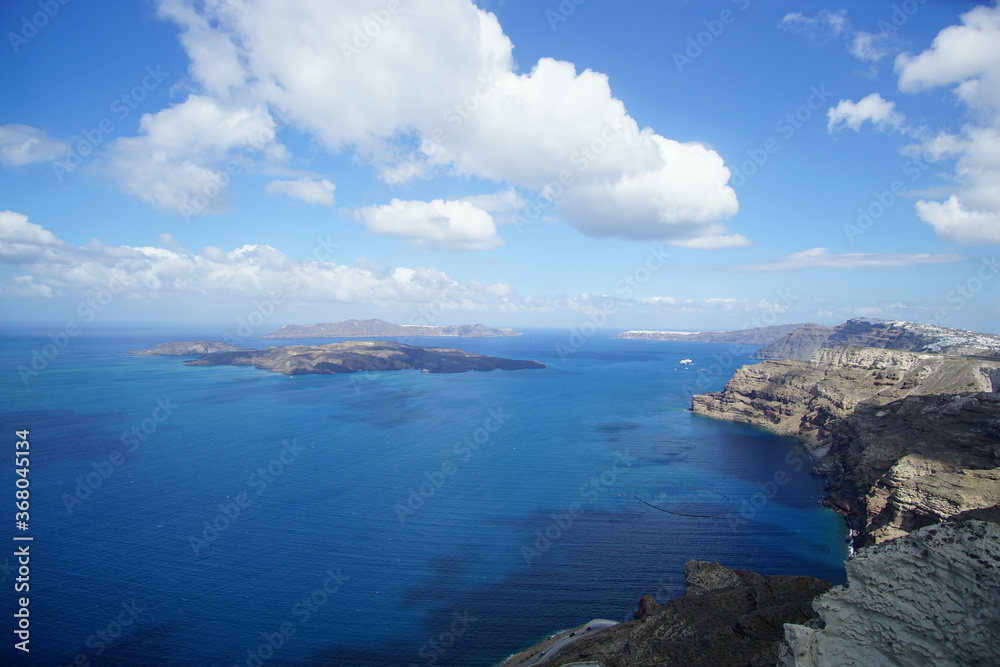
228, 516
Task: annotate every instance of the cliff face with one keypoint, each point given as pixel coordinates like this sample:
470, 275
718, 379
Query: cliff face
726, 617
803, 399
901, 449
800, 344
797, 345
930, 598
909, 439
915, 461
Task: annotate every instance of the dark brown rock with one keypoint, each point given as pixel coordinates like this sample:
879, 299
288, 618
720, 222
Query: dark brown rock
647, 605
728, 618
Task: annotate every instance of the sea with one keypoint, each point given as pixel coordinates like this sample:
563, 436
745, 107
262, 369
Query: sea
228, 516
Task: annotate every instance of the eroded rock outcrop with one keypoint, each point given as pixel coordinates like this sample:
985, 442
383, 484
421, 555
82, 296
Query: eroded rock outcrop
727, 618
802, 399
800, 344
897, 467
929, 598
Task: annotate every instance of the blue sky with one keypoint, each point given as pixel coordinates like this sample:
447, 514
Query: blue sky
655, 165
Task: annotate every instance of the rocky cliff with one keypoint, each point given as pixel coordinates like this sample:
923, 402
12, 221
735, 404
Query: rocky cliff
930, 598
913, 462
908, 434
800, 344
906, 439
726, 618
802, 399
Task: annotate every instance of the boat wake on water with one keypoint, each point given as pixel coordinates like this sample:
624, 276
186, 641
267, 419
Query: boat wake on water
682, 499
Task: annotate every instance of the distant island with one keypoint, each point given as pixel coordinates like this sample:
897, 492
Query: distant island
755, 336
186, 347
381, 328
361, 356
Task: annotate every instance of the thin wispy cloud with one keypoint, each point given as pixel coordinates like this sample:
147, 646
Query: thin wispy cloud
823, 258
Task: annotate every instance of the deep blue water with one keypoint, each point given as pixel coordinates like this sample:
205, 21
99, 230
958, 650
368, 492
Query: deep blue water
392, 518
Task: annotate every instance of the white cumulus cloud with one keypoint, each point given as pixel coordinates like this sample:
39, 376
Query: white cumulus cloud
873, 108
429, 87
965, 57
952, 220
186, 155
452, 225
41, 266
47, 266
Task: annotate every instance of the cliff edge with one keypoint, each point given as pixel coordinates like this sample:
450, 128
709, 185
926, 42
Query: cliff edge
930, 598
726, 617
800, 344
905, 439
904, 421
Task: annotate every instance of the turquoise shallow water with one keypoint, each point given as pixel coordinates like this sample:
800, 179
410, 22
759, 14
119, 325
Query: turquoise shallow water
227, 516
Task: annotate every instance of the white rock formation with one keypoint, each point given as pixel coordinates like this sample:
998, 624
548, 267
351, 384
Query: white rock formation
929, 598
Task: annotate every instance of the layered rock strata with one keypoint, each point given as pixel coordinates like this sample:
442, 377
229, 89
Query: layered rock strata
906, 439
930, 598
800, 344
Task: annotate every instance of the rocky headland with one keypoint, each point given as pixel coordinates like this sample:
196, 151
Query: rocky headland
381, 328
756, 336
905, 439
188, 347
361, 356
903, 419
726, 617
